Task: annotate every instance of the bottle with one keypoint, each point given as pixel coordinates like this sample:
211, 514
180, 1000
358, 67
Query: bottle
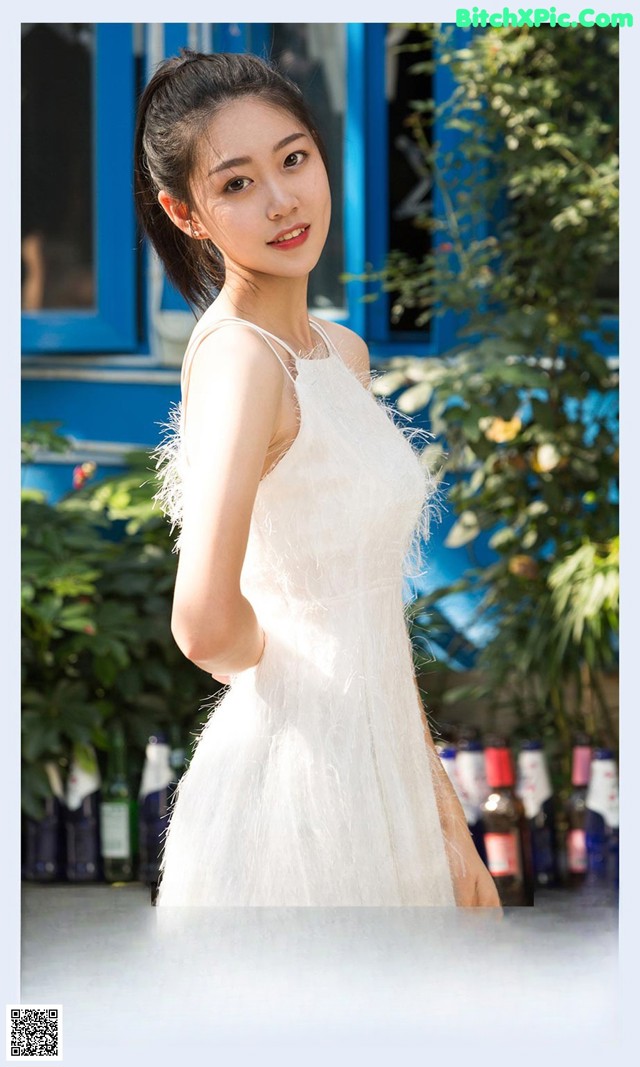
506, 831
601, 820
536, 793
177, 759
473, 788
153, 808
450, 758
43, 839
82, 816
116, 814
576, 813
447, 754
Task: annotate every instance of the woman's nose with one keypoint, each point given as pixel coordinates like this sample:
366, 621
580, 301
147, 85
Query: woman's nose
282, 201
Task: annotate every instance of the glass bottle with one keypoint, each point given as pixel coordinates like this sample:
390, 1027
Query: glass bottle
576, 814
43, 839
82, 822
602, 819
177, 759
473, 787
507, 837
116, 814
447, 754
536, 793
153, 807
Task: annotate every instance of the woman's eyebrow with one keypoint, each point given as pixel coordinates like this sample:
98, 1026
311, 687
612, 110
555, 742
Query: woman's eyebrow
240, 161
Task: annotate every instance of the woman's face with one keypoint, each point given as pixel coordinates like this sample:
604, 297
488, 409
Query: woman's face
259, 176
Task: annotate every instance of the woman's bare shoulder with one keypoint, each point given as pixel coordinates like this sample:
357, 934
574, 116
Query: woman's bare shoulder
236, 348
231, 368
352, 349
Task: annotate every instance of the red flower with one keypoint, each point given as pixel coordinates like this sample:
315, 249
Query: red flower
446, 246
81, 473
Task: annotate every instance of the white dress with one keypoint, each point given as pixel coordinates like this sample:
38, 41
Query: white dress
311, 782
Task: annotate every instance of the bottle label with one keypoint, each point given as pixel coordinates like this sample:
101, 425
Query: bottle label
581, 765
534, 787
55, 781
577, 851
503, 854
80, 785
157, 773
602, 794
473, 789
449, 765
115, 831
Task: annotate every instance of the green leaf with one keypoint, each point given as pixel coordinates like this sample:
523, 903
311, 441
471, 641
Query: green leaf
502, 539
415, 398
388, 383
463, 531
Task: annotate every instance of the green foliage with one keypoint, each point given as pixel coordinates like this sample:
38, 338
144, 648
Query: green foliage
521, 406
37, 435
542, 106
97, 584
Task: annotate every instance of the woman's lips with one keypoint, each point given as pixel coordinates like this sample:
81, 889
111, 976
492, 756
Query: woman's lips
292, 242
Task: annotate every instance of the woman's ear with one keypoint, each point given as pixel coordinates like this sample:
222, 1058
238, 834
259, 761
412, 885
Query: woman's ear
180, 215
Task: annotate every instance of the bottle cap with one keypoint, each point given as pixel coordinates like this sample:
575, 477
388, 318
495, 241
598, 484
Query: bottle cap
531, 745
158, 738
499, 766
495, 740
582, 739
470, 744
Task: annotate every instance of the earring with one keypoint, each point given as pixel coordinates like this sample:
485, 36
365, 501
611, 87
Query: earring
193, 230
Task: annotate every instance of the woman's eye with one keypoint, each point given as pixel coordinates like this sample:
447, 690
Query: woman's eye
235, 185
297, 157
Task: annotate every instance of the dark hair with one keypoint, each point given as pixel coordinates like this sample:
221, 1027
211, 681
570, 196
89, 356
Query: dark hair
173, 111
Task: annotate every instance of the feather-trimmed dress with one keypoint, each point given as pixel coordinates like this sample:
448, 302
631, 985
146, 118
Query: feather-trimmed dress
311, 782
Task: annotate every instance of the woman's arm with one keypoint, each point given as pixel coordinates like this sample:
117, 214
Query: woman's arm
473, 885
230, 418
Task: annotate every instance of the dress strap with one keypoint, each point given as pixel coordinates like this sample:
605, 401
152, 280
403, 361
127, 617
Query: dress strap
323, 333
268, 337
195, 341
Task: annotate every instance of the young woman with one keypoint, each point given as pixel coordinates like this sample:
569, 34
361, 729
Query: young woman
315, 780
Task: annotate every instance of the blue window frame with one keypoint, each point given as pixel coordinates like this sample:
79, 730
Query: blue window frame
112, 325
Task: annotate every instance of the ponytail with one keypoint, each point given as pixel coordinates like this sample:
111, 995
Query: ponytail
194, 268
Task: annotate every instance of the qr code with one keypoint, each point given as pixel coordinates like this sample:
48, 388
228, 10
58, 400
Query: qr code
34, 1030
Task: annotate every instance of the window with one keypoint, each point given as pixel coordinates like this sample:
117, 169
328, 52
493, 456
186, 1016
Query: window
78, 239
313, 55
410, 186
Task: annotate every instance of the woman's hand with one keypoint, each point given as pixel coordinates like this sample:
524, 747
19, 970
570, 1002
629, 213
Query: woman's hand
472, 883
